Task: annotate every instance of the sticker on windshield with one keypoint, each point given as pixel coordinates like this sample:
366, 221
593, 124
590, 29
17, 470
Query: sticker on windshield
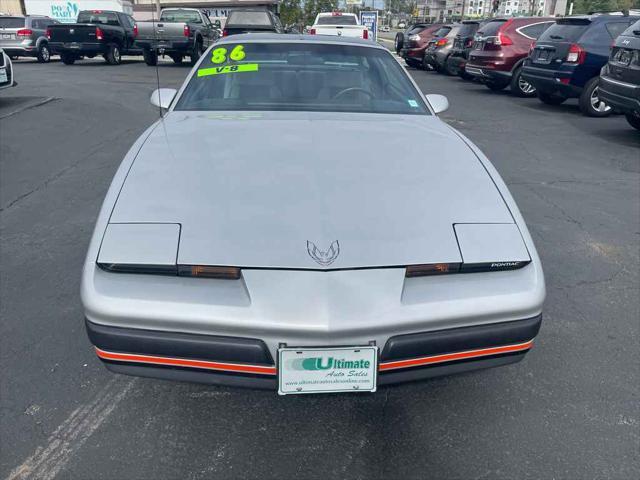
413, 103
219, 55
245, 67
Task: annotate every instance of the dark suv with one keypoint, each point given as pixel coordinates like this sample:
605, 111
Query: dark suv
415, 43
26, 36
462, 45
500, 48
567, 59
620, 77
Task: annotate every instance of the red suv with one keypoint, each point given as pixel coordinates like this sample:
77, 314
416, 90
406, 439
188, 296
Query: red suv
500, 47
415, 43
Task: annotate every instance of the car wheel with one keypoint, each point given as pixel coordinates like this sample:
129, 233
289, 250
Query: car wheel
398, 42
634, 119
590, 104
424, 65
448, 69
67, 58
520, 87
113, 55
411, 63
177, 59
550, 98
196, 53
496, 86
150, 58
44, 54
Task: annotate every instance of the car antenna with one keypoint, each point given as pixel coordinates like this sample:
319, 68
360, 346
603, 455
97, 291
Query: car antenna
155, 42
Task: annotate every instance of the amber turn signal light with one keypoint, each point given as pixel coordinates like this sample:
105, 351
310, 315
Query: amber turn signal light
207, 271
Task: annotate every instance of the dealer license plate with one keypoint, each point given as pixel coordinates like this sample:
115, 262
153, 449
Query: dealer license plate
8, 36
327, 370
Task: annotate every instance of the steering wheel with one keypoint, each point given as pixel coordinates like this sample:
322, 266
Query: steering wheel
351, 90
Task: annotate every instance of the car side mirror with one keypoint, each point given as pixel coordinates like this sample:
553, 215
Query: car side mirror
439, 103
162, 97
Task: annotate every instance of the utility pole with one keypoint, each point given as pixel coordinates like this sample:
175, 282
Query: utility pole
158, 9
463, 7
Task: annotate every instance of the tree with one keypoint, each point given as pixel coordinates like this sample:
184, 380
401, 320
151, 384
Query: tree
290, 12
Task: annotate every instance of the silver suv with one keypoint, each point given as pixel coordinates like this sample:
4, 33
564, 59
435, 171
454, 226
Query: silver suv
26, 36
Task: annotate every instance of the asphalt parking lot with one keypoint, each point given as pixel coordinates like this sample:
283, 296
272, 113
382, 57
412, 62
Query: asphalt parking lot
568, 411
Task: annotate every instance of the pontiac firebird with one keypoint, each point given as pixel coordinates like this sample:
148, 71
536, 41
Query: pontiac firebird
301, 220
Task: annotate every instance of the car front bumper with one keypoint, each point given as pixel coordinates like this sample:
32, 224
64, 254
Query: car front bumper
247, 362
622, 96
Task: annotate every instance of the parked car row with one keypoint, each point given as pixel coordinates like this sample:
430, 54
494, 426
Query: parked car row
552, 59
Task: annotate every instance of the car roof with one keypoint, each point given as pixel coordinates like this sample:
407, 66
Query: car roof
596, 18
296, 38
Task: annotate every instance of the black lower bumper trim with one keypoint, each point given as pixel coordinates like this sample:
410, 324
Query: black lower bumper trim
415, 345
183, 345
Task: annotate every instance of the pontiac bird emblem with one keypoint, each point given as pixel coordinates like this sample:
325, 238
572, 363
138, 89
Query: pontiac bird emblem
324, 258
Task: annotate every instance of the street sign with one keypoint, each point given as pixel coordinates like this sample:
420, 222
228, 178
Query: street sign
370, 20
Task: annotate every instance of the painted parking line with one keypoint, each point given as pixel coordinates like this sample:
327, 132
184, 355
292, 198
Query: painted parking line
48, 460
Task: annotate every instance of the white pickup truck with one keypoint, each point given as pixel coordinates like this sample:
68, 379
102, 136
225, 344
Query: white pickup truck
340, 24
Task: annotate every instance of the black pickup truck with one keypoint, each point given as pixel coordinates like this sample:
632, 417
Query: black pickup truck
97, 32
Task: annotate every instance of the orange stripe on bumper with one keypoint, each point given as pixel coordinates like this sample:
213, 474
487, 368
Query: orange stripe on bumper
183, 362
448, 357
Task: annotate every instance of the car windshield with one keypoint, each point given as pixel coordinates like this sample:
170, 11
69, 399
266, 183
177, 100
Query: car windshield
104, 18
187, 16
248, 18
301, 77
337, 20
565, 31
11, 22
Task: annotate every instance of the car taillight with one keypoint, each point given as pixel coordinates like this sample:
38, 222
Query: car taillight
135, 29
186, 32
99, 34
531, 48
504, 39
225, 32
365, 34
441, 43
24, 32
576, 54
49, 33
312, 31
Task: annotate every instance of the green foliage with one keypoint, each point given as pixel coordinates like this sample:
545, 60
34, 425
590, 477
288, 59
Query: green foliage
586, 6
290, 12
313, 7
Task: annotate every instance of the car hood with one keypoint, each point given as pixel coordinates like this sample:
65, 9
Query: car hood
309, 190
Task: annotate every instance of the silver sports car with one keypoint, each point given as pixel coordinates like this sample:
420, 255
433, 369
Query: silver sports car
280, 227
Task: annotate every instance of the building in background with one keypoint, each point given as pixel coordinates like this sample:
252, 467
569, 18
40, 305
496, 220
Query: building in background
215, 9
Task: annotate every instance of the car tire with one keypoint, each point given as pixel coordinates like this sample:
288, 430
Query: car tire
67, 58
196, 52
177, 59
550, 98
424, 65
411, 63
44, 54
590, 104
634, 119
150, 58
520, 87
113, 56
399, 41
446, 68
496, 86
